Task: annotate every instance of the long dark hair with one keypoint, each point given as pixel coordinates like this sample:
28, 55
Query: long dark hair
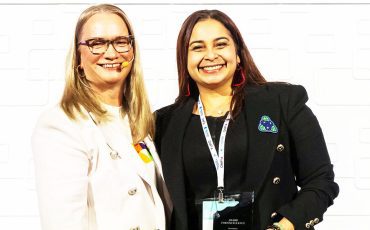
247, 67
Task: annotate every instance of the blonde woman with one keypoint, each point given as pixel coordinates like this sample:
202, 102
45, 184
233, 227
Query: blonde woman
96, 165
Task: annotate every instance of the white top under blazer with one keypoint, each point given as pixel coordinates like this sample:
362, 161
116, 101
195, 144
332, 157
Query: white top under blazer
80, 186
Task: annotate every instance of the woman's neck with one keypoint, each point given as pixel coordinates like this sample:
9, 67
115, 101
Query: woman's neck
215, 102
110, 95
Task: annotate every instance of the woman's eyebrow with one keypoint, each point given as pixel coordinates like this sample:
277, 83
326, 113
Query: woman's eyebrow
201, 41
220, 38
197, 41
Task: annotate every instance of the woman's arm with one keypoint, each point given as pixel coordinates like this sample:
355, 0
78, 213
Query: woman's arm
61, 166
313, 169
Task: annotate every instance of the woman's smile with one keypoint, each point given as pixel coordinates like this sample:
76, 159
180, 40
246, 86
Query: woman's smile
211, 68
212, 57
111, 66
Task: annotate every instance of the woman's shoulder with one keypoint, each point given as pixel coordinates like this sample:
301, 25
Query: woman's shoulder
275, 87
55, 117
278, 89
166, 110
55, 127
54, 113
162, 117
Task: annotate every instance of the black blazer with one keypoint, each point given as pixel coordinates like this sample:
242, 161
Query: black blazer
277, 162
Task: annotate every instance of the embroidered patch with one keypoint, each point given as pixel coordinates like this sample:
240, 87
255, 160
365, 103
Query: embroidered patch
143, 152
266, 125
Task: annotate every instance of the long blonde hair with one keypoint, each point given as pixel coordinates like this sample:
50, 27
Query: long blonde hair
77, 95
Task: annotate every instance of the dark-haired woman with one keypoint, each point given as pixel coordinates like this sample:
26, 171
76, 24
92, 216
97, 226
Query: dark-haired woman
231, 132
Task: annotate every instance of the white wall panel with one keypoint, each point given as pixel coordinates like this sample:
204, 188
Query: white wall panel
325, 46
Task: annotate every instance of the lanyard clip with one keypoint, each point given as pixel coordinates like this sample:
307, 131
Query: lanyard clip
220, 194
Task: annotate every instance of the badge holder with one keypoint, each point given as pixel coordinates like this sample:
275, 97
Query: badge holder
223, 211
226, 211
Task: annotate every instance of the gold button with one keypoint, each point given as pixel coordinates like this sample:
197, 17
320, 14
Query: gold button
276, 180
308, 225
312, 223
273, 214
316, 220
132, 191
280, 148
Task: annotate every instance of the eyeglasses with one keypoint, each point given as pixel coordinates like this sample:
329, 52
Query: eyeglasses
121, 44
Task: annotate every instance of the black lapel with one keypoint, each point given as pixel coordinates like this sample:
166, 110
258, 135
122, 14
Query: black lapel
261, 145
172, 163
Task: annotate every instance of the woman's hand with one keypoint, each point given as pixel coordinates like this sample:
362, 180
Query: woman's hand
286, 224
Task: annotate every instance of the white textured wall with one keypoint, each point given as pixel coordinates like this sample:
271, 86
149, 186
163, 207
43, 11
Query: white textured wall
323, 46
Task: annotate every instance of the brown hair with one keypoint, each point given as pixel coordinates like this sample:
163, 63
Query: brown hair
77, 94
246, 66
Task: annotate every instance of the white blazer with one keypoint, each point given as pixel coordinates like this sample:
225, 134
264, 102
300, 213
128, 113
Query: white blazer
79, 185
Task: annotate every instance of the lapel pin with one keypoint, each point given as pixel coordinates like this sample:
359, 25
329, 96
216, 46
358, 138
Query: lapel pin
266, 125
143, 152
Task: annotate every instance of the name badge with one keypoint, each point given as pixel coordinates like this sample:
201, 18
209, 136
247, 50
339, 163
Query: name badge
234, 213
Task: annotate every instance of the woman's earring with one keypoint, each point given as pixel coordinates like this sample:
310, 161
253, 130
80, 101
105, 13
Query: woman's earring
188, 90
80, 71
82, 77
240, 78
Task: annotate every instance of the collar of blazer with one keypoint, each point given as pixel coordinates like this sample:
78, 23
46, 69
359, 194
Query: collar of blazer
259, 101
125, 149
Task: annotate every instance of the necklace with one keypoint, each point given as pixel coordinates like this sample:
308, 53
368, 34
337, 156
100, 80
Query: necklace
216, 106
219, 110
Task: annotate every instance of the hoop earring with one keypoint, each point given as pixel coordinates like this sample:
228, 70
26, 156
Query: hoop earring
188, 90
79, 68
83, 83
80, 71
240, 77
80, 76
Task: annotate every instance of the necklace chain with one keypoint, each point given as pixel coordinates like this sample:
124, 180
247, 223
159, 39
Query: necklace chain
220, 110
